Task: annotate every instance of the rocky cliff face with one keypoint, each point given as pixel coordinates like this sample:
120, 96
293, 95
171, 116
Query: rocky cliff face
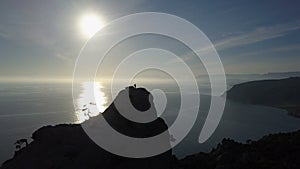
68, 146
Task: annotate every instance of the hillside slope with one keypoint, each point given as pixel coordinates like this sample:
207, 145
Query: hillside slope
283, 93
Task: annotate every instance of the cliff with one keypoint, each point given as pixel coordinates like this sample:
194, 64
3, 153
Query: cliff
283, 93
67, 146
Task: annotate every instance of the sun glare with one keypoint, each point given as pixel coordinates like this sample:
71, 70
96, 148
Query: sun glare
90, 24
91, 101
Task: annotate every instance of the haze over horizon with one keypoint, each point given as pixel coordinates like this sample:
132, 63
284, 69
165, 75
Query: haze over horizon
42, 39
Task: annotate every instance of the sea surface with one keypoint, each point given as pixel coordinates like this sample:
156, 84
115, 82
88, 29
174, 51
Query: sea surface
25, 107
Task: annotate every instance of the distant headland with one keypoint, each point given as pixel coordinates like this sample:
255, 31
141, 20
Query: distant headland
282, 93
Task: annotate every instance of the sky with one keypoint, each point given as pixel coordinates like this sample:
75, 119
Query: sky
42, 39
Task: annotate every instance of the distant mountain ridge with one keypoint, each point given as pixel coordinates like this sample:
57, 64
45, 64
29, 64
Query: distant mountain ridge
282, 74
282, 93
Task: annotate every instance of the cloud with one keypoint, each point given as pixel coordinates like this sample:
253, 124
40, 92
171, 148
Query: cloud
286, 48
183, 58
3, 33
65, 57
257, 35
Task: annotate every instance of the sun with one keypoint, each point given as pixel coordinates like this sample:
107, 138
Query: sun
90, 24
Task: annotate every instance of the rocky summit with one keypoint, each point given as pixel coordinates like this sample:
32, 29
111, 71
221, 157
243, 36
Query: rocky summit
67, 146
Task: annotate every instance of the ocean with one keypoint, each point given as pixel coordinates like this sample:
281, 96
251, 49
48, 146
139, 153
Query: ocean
25, 107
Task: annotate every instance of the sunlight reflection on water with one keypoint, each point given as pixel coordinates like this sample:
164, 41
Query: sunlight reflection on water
91, 101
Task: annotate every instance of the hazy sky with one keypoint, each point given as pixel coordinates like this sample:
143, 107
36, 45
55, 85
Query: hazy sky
42, 38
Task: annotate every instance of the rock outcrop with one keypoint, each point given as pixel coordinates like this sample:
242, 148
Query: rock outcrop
67, 146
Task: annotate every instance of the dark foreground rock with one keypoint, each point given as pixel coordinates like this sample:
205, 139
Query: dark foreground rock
283, 93
275, 151
69, 147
